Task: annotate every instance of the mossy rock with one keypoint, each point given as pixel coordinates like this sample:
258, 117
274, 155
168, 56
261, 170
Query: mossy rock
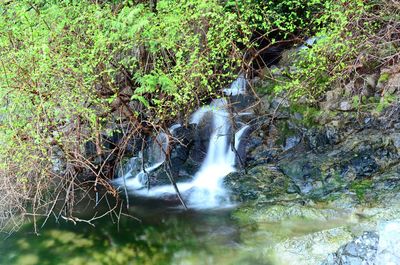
260, 182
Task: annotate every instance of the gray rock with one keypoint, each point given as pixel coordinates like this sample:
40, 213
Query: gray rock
372, 248
396, 140
58, 160
280, 102
389, 243
360, 251
393, 84
291, 142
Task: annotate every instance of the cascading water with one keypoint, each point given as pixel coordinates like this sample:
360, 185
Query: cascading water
205, 189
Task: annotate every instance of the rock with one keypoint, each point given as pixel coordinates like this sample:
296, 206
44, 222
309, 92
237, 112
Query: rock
371, 81
201, 139
334, 95
345, 106
180, 149
332, 135
298, 116
360, 251
291, 142
393, 84
58, 160
260, 182
389, 243
279, 102
264, 106
285, 212
372, 248
304, 172
317, 139
396, 140
310, 249
327, 168
241, 102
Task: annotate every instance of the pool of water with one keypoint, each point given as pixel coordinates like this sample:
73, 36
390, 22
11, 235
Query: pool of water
155, 233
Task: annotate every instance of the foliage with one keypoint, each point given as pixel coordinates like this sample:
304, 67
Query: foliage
315, 69
283, 17
352, 40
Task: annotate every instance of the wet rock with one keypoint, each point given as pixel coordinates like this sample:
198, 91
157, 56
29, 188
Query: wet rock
201, 139
333, 167
180, 149
260, 182
241, 102
90, 150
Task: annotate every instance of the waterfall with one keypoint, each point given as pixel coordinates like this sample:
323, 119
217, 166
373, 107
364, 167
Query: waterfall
205, 189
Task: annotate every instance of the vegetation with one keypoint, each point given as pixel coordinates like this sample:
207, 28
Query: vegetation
74, 73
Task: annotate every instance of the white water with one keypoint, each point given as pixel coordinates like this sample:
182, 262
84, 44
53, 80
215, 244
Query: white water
206, 189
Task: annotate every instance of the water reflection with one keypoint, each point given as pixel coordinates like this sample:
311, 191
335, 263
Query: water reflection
165, 234
162, 237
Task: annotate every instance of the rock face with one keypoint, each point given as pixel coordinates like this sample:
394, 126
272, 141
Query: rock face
343, 164
359, 158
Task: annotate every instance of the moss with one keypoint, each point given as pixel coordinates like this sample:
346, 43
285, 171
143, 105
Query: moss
361, 187
309, 113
